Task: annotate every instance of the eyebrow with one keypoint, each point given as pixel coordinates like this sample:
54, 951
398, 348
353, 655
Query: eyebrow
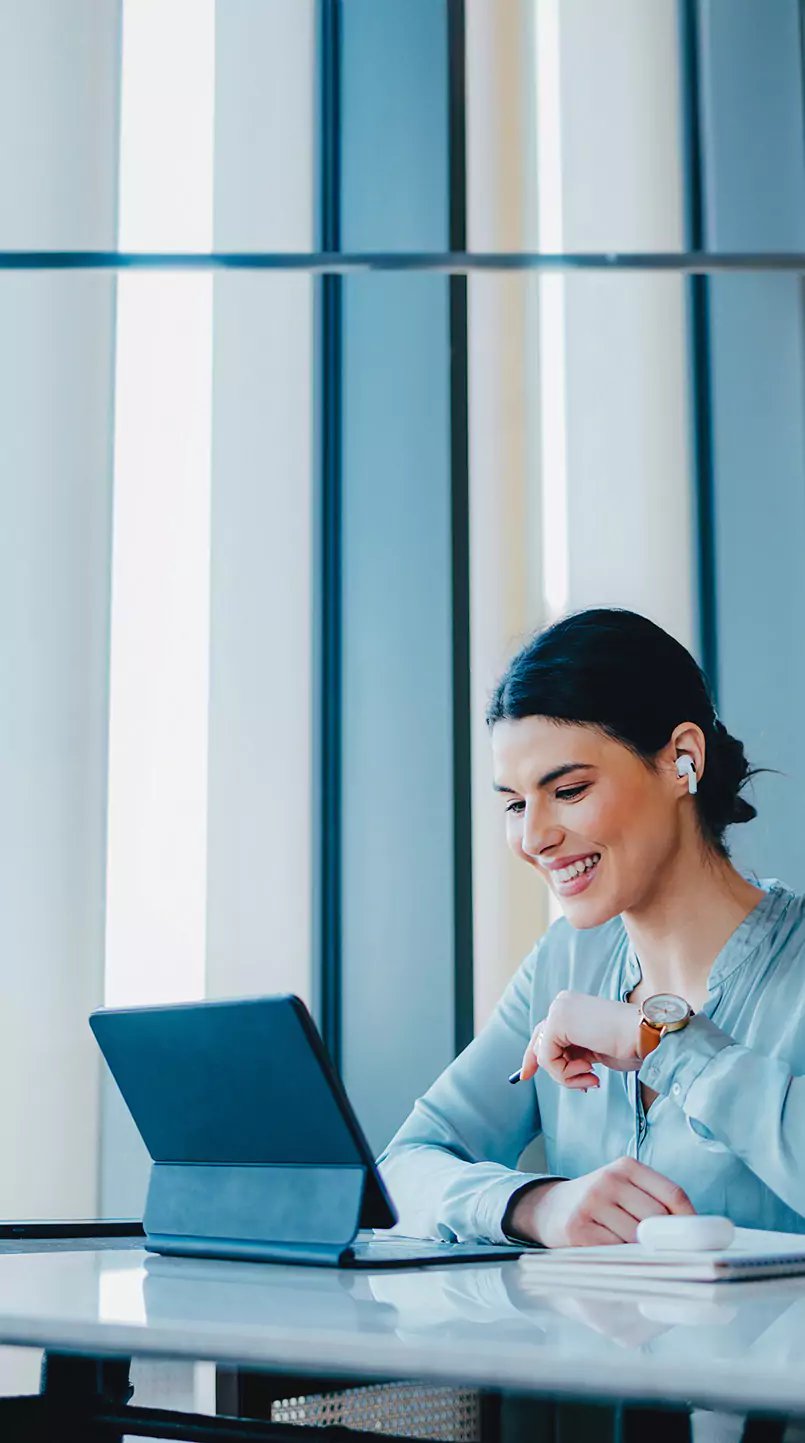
551, 776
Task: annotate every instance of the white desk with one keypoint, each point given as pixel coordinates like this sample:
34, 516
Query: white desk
494, 1325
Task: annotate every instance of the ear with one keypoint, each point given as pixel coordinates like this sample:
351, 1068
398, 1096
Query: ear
688, 739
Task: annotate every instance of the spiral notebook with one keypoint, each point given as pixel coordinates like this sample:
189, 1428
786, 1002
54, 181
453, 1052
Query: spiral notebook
752, 1254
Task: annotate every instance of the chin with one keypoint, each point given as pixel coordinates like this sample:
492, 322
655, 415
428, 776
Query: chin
583, 913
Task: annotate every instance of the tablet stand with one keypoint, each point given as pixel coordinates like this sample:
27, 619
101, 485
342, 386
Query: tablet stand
297, 1213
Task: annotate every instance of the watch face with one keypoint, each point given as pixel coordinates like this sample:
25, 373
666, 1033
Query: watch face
665, 1007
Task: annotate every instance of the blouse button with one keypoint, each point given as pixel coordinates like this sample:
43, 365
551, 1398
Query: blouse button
676, 1089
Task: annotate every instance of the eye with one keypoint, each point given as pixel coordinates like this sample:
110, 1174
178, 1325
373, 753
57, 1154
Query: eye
569, 794
515, 806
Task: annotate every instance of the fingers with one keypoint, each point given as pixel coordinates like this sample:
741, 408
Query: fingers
564, 1060
530, 1056
578, 1067
601, 1207
620, 1195
617, 1221
572, 1069
596, 1235
673, 1198
639, 1204
599, 1027
529, 1064
579, 1074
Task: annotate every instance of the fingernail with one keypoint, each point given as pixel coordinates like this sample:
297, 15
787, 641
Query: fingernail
516, 1076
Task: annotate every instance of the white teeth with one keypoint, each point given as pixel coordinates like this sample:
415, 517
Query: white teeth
575, 869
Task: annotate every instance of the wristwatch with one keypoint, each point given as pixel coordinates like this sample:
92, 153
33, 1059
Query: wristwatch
664, 1012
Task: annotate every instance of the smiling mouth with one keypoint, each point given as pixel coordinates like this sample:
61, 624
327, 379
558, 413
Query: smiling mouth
577, 877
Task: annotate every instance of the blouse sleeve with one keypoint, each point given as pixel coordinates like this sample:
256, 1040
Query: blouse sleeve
452, 1167
745, 1099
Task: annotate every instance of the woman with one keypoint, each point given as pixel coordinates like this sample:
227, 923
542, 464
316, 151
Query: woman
618, 782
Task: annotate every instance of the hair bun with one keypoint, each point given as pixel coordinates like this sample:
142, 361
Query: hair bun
726, 772
743, 810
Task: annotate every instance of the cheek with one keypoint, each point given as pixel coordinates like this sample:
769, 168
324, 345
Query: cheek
615, 816
635, 827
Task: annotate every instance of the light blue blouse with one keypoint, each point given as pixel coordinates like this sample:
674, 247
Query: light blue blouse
728, 1125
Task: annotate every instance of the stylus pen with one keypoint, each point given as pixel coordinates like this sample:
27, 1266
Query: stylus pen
516, 1076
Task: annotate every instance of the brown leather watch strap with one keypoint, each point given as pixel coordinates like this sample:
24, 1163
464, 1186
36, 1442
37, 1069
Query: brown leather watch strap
648, 1037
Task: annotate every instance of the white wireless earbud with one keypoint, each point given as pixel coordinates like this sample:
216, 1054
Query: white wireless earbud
685, 767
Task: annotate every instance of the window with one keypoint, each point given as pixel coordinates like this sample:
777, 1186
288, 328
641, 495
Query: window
272, 536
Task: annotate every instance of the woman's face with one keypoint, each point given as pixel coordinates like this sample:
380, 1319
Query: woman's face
598, 824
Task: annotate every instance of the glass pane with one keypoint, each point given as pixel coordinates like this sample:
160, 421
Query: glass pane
156, 635
612, 126
157, 125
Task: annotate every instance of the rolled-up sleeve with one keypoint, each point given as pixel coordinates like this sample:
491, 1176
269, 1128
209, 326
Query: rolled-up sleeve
750, 1102
452, 1167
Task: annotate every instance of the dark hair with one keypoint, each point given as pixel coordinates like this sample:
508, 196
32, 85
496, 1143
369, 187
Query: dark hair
619, 672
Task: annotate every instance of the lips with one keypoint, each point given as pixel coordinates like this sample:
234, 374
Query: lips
578, 884
564, 862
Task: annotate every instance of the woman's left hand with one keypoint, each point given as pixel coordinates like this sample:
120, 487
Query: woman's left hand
579, 1031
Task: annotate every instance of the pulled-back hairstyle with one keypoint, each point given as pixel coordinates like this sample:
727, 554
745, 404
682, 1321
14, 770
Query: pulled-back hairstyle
619, 672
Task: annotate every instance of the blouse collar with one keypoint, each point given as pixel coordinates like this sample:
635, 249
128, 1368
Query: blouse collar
741, 943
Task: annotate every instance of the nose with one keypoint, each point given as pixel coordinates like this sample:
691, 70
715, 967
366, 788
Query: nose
537, 837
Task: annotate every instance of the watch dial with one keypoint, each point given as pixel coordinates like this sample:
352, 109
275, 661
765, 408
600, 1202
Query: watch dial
665, 1007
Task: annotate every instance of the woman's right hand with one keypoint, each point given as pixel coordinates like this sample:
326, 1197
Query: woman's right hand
604, 1206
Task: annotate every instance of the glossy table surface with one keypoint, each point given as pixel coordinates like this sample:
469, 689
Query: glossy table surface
495, 1324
